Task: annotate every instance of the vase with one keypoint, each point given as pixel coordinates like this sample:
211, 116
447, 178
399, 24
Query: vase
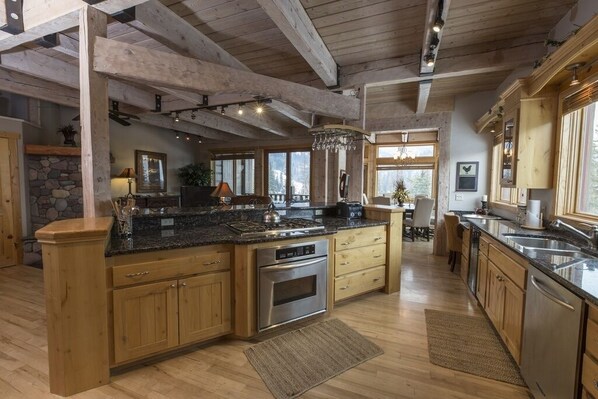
401, 204
69, 139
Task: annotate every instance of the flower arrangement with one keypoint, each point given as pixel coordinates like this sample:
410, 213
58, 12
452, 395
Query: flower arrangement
401, 194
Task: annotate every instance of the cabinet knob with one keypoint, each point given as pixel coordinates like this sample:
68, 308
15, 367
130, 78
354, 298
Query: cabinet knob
344, 288
183, 284
345, 263
172, 285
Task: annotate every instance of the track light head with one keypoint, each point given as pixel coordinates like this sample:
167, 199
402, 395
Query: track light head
434, 41
176, 117
187, 137
429, 59
240, 110
259, 109
177, 135
193, 115
222, 111
438, 24
199, 140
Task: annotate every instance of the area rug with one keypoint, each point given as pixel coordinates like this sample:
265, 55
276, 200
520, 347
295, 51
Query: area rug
297, 361
469, 344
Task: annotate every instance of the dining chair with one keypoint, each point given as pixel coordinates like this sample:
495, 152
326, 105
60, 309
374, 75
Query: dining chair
454, 242
421, 217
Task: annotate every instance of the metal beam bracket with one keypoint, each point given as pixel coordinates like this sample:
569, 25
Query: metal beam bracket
205, 100
338, 75
14, 17
48, 41
158, 103
125, 16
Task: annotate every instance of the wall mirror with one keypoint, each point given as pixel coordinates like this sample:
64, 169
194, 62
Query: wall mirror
467, 176
151, 171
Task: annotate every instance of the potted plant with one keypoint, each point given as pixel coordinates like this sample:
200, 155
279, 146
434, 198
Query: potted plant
69, 132
195, 174
401, 194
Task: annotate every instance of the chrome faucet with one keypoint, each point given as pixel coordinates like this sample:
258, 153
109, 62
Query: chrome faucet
591, 237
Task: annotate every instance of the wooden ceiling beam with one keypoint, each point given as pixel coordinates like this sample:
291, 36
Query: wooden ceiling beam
303, 118
429, 34
262, 121
167, 122
146, 66
25, 85
217, 122
423, 94
44, 17
292, 19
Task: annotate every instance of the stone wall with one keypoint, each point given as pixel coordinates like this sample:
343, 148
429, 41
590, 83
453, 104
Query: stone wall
55, 193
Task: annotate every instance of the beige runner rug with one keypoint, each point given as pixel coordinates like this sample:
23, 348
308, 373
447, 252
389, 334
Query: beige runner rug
297, 361
469, 344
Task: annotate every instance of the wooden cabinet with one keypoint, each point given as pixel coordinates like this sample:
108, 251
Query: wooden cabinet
528, 138
589, 370
169, 298
503, 293
482, 277
359, 261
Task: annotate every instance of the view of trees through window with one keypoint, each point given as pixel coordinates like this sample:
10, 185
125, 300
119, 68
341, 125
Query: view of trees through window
238, 173
417, 181
289, 176
588, 181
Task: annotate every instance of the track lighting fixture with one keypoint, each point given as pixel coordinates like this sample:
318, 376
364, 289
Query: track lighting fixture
187, 137
193, 116
222, 110
240, 110
176, 117
259, 109
438, 24
434, 41
199, 139
429, 59
573, 67
177, 135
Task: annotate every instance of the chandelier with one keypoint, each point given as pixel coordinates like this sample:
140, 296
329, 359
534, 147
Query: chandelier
403, 154
335, 138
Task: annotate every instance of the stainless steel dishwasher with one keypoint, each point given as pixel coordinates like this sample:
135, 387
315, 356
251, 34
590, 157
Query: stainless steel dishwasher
550, 355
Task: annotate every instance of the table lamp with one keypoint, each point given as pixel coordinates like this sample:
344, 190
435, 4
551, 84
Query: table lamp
129, 173
222, 191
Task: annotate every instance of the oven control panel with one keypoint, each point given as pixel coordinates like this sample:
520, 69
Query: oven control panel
295, 252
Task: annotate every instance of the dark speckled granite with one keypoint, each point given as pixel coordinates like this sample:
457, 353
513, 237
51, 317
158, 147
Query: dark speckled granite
578, 275
217, 234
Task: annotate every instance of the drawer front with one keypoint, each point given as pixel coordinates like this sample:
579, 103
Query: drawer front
464, 270
484, 244
353, 260
359, 282
466, 236
356, 238
592, 338
169, 268
589, 375
508, 266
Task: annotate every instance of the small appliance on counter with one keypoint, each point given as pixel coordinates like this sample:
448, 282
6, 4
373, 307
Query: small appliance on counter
349, 210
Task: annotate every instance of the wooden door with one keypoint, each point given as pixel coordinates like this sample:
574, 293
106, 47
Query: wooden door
482, 277
9, 203
145, 320
204, 307
512, 323
495, 296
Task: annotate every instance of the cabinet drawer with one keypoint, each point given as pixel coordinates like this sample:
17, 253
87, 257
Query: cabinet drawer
589, 375
359, 282
464, 270
483, 247
356, 238
171, 267
512, 269
359, 258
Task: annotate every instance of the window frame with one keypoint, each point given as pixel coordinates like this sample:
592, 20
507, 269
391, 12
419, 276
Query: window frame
234, 157
287, 151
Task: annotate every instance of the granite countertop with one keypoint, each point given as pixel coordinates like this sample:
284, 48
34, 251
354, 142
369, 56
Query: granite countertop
218, 234
210, 210
578, 275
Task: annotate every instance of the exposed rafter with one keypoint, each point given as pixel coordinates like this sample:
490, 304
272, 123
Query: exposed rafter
146, 66
293, 21
423, 94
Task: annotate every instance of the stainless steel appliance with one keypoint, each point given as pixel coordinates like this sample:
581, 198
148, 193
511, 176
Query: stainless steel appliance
474, 244
285, 227
551, 349
291, 282
349, 210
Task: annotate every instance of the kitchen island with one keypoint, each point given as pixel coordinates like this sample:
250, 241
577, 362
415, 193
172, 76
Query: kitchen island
87, 297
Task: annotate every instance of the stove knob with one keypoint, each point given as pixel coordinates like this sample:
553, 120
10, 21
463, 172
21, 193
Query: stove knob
359, 214
352, 214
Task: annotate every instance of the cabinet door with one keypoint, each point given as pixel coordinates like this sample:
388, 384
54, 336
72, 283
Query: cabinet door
482, 277
512, 320
145, 320
204, 307
495, 296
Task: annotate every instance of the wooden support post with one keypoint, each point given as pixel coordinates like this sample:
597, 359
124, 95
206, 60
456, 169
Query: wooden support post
355, 157
319, 176
95, 139
76, 303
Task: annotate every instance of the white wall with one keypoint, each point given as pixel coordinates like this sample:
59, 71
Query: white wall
468, 146
125, 140
578, 16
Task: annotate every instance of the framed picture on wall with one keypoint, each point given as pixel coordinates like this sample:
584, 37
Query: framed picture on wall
151, 171
467, 176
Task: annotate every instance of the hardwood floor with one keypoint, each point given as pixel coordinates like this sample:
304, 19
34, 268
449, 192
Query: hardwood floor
394, 322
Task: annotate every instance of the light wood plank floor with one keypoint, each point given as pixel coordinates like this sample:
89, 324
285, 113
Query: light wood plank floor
395, 322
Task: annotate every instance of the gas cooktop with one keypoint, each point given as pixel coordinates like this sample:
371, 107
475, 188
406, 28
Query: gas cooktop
284, 227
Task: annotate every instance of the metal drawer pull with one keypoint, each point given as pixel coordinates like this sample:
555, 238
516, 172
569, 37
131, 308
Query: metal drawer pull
214, 262
344, 288
377, 238
345, 243
377, 256
345, 263
376, 279
550, 296
131, 275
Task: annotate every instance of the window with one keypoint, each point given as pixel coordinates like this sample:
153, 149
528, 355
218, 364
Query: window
289, 175
414, 163
235, 169
577, 171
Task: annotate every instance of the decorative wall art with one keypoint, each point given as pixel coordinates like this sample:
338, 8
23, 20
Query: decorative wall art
467, 176
151, 171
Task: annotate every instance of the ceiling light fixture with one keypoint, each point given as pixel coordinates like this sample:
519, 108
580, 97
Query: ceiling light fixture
187, 137
176, 117
573, 67
429, 59
438, 24
434, 41
193, 116
222, 110
199, 140
177, 135
259, 109
240, 110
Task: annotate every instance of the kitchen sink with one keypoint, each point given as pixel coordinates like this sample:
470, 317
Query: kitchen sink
476, 216
523, 243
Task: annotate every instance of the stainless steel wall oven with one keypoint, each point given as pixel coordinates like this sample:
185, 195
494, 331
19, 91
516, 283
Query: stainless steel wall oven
291, 282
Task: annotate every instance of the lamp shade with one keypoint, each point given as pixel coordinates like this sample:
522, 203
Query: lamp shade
222, 190
128, 173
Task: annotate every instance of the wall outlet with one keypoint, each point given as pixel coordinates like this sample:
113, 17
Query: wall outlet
319, 212
458, 197
166, 222
167, 233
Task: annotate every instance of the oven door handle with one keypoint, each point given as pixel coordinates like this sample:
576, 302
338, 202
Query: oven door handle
293, 265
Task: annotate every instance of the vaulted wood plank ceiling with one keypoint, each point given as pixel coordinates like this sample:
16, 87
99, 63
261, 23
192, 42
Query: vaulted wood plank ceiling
373, 42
